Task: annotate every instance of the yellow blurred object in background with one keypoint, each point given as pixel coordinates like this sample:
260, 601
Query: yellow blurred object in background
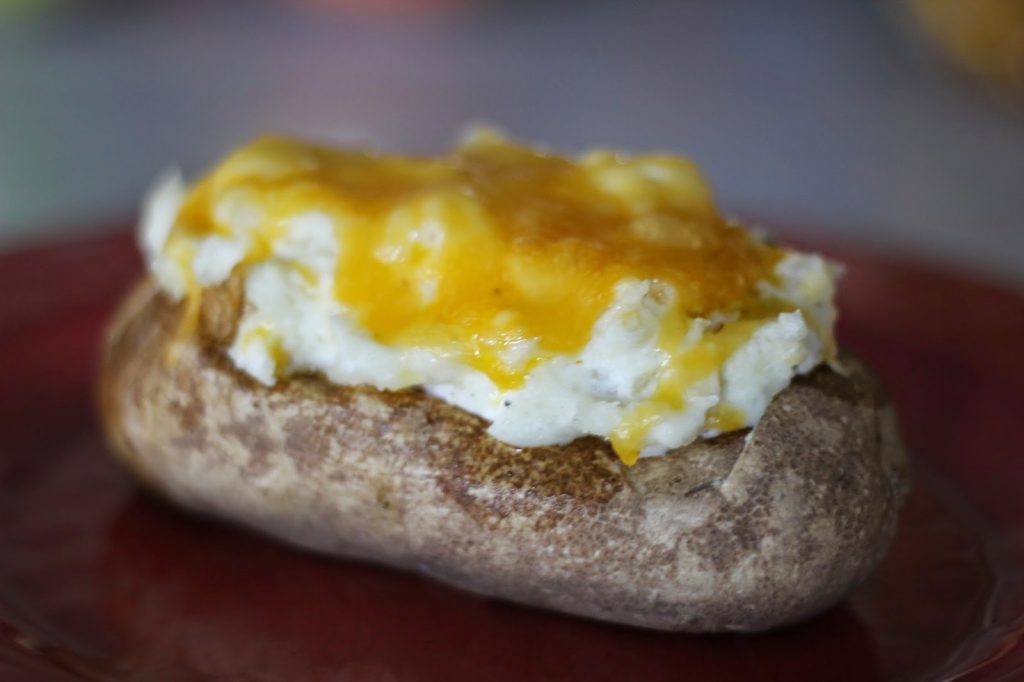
983, 37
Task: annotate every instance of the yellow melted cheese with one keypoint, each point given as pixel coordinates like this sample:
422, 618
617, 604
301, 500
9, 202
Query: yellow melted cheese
497, 245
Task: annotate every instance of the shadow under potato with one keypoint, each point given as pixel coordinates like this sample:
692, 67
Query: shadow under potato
219, 602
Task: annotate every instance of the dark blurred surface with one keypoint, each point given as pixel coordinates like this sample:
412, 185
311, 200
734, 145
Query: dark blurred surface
824, 115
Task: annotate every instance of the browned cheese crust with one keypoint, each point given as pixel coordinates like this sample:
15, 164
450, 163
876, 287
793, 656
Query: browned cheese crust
747, 531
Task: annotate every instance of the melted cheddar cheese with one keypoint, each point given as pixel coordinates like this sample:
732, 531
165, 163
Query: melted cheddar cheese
496, 257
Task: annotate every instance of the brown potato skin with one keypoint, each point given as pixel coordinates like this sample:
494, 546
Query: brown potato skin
744, 532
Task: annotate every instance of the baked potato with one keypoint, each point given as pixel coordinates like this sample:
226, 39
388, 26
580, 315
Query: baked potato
746, 531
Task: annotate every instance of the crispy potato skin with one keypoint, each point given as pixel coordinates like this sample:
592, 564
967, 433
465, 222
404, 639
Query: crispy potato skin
744, 532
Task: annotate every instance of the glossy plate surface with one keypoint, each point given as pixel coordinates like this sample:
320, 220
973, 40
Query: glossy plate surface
99, 580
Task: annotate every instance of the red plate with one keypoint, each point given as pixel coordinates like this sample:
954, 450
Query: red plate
99, 580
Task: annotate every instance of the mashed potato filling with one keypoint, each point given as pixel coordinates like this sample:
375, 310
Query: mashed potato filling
554, 297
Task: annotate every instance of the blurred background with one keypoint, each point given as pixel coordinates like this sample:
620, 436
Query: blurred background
897, 124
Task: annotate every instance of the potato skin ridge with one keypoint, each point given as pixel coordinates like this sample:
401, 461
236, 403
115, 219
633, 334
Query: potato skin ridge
744, 532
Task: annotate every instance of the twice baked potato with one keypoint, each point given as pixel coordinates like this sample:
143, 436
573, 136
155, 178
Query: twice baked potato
566, 382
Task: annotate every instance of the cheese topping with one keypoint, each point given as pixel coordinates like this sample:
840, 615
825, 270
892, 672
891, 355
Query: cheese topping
554, 297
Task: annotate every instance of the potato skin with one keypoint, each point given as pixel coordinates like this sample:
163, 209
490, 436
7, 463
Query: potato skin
744, 532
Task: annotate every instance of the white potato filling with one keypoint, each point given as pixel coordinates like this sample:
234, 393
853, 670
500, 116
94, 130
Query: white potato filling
567, 396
